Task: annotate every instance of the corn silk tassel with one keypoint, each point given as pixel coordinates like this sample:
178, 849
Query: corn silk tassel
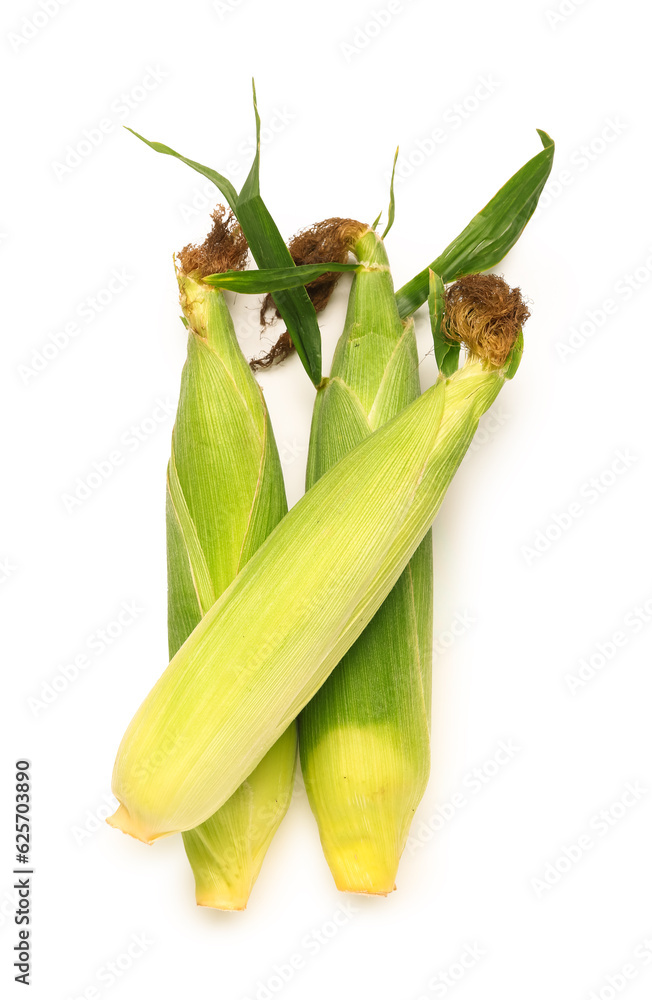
270, 641
364, 737
225, 493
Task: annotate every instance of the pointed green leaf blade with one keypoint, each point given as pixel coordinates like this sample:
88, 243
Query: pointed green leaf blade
184, 605
221, 182
392, 204
447, 353
274, 279
251, 186
269, 251
491, 233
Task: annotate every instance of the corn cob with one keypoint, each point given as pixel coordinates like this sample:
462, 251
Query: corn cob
269, 642
225, 493
364, 737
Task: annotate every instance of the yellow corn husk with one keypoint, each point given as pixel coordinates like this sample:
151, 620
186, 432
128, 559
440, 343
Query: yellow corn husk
227, 850
269, 642
364, 737
225, 493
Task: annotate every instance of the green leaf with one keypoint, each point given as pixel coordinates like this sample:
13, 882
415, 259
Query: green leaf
268, 249
392, 204
251, 186
186, 554
400, 380
436, 304
339, 424
491, 234
184, 607
274, 279
447, 353
514, 357
224, 185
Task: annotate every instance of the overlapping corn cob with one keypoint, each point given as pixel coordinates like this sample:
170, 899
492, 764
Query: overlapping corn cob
364, 736
221, 710
225, 493
273, 637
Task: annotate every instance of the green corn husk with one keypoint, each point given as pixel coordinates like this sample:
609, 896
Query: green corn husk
364, 737
225, 493
273, 637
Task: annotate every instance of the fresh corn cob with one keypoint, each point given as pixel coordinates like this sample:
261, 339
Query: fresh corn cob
225, 493
273, 637
364, 737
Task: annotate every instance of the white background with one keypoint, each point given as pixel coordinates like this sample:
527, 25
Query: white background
348, 94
